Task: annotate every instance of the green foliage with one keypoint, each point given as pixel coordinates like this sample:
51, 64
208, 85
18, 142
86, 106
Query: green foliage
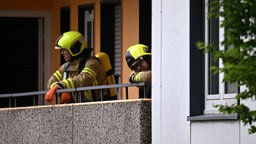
239, 57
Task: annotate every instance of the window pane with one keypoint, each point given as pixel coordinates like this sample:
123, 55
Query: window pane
213, 39
213, 78
230, 88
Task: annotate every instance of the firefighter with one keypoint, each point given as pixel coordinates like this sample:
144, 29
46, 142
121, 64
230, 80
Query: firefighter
138, 59
80, 70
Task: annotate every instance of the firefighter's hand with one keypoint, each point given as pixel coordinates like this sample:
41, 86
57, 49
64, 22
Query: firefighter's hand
132, 77
50, 94
65, 97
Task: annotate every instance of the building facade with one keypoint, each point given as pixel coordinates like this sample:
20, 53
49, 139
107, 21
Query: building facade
182, 99
183, 89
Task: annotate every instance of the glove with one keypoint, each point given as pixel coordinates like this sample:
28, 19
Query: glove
50, 94
65, 97
131, 77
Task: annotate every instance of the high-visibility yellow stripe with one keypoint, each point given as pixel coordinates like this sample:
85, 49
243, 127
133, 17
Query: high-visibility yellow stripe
89, 70
88, 95
138, 77
53, 84
92, 73
58, 75
69, 83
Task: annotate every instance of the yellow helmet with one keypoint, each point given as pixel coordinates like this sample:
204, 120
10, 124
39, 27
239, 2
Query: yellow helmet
136, 52
72, 41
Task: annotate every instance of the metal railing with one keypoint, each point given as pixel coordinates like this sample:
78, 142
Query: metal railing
13, 96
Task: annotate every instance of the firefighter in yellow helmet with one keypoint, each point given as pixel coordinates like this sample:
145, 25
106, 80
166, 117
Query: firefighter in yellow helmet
80, 69
138, 59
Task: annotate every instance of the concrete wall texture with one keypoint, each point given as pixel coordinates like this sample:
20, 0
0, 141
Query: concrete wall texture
111, 122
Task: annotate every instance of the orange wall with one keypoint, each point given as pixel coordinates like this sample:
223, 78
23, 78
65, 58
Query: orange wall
25, 4
130, 36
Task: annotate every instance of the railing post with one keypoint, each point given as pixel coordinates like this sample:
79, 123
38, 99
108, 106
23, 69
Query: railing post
144, 88
10, 101
56, 98
126, 91
34, 100
101, 95
14, 105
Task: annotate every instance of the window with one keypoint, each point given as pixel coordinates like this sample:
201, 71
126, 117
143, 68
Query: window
86, 23
111, 34
206, 89
216, 92
64, 24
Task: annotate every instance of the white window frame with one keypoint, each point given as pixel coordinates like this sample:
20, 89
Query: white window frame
221, 98
89, 20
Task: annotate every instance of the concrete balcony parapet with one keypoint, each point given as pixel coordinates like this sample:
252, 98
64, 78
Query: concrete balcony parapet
106, 122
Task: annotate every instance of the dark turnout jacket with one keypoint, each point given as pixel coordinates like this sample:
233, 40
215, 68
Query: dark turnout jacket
80, 73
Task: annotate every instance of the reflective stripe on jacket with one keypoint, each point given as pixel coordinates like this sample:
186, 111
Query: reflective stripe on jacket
143, 76
92, 74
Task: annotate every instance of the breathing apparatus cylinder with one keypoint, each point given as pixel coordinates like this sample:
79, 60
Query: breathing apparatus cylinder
105, 62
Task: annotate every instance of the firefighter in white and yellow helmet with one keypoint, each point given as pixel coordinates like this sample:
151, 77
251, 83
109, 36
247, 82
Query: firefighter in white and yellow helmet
80, 69
138, 59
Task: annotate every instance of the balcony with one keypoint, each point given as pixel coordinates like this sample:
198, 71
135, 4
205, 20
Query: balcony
117, 121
